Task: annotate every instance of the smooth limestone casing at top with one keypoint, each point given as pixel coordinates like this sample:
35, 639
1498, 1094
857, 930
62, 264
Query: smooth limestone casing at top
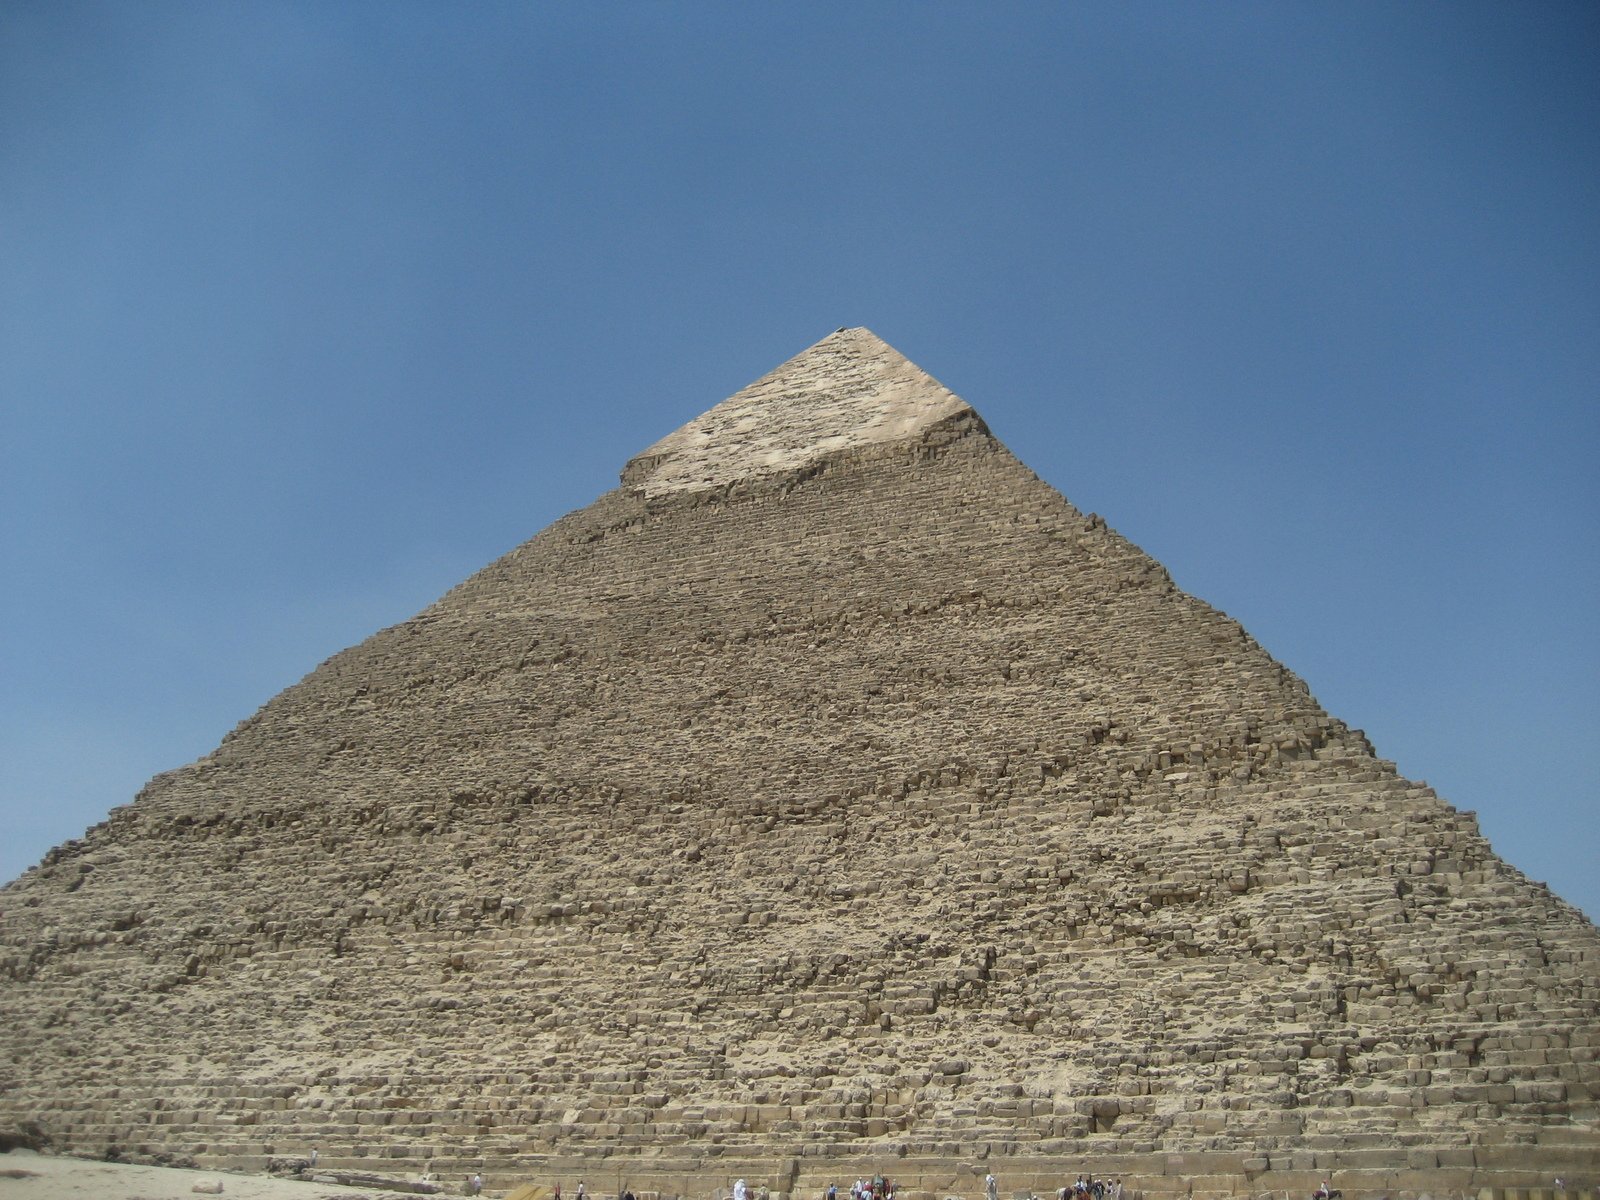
832, 797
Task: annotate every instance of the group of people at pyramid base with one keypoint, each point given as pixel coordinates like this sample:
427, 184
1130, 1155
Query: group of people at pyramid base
1092, 1188
1087, 1187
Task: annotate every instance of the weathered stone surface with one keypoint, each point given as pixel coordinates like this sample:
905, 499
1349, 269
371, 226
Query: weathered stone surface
832, 793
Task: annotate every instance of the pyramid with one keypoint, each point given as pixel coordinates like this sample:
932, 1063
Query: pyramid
831, 798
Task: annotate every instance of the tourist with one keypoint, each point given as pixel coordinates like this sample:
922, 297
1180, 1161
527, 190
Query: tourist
991, 1186
475, 1186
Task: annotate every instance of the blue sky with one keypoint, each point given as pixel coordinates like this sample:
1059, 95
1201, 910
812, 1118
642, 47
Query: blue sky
309, 310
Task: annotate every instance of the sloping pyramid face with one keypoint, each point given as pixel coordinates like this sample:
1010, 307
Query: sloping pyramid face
832, 793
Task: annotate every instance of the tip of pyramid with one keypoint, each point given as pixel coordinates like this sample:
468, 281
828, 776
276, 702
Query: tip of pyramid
850, 391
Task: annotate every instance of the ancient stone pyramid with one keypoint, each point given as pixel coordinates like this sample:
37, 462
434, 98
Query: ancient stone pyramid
830, 796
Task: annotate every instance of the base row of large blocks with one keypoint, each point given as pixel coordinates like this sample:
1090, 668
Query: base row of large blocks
1568, 1170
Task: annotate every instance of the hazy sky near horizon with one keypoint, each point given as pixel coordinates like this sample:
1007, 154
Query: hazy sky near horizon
308, 311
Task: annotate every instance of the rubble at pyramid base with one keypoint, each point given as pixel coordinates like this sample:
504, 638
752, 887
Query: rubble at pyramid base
880, 813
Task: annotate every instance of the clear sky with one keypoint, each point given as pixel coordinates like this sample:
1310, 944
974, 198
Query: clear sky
309, 310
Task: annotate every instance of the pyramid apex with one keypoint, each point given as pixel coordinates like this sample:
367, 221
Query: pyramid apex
850, 391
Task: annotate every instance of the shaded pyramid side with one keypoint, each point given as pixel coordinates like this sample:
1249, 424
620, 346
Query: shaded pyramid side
882, 804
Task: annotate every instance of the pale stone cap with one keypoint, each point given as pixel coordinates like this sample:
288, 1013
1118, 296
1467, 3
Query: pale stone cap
850, 391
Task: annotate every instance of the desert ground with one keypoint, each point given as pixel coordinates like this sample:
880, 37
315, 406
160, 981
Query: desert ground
26, 1175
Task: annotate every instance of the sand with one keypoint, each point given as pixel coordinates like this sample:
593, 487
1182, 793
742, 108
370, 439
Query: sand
25, 1175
